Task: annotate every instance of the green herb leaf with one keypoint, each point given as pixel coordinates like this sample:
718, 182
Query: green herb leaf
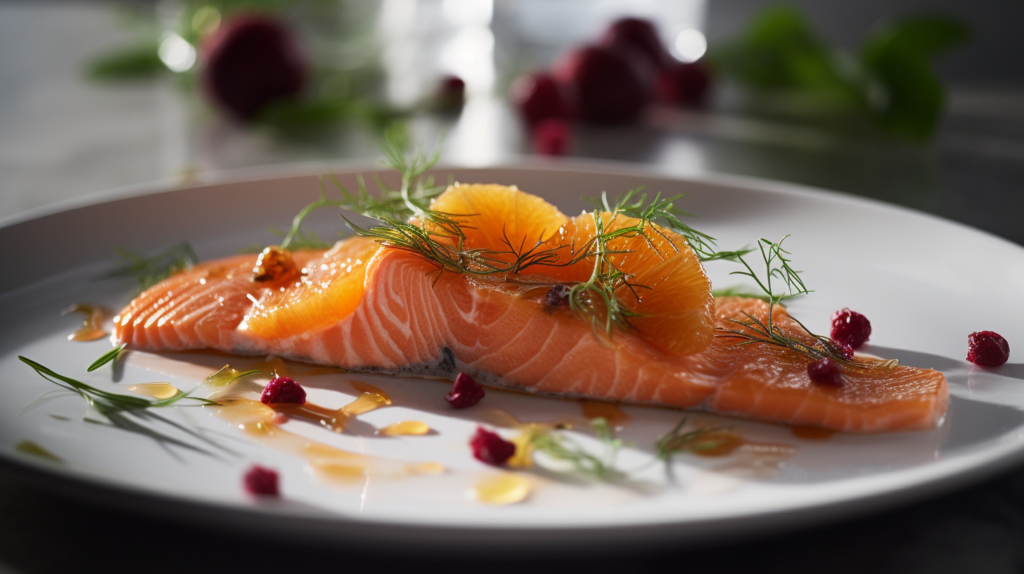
126, 63
107, 357
909, 99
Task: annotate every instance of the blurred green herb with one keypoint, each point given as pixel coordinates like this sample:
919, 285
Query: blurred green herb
556, 445
150, 270
344, 73
134, 62
701, 439
889, 80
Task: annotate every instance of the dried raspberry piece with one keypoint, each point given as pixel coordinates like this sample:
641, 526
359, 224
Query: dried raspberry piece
552, 137
282, 390
489, 447
261, 481
825, 372
465, 393
557, 296
850, 328
987, 348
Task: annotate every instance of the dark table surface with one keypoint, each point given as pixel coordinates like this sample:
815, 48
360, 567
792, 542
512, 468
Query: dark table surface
973, 173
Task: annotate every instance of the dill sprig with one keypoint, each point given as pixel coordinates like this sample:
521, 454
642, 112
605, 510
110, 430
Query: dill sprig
105, 399
752, 330
150, 270
701, 439
558, 446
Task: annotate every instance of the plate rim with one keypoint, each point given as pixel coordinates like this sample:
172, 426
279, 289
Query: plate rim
655, 530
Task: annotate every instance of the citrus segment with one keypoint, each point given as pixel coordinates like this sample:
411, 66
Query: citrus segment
500, 219
328, 290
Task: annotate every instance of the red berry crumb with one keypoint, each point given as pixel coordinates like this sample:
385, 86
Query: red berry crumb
489, 447
282, 390
557, 296
825, 372
465, 393
850, 328
551, 137
260, 481
987, 348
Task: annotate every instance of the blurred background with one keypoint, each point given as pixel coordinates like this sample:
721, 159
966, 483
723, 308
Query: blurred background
913, 102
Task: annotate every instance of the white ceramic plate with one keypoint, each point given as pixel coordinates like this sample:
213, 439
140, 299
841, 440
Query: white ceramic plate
924, 283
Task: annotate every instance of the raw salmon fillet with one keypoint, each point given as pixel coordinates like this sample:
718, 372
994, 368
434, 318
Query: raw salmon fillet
406, 317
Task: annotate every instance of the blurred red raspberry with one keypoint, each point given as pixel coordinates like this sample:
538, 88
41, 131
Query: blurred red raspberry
539, 97
249, 62
451, 93
608, 85
552, 137
489, 447
684, 84
261, 481
642, 36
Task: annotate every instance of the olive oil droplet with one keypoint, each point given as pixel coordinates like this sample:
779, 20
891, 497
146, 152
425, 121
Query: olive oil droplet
501, 490
415, 428
155, 390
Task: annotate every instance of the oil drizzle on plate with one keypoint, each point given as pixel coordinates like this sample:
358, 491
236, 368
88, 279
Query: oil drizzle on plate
500, 489
413, 428
155, 390
608, 411
92, 326
372, 398
327, 462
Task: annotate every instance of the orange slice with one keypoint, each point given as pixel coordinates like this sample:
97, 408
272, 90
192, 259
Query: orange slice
500, 219
329, 290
